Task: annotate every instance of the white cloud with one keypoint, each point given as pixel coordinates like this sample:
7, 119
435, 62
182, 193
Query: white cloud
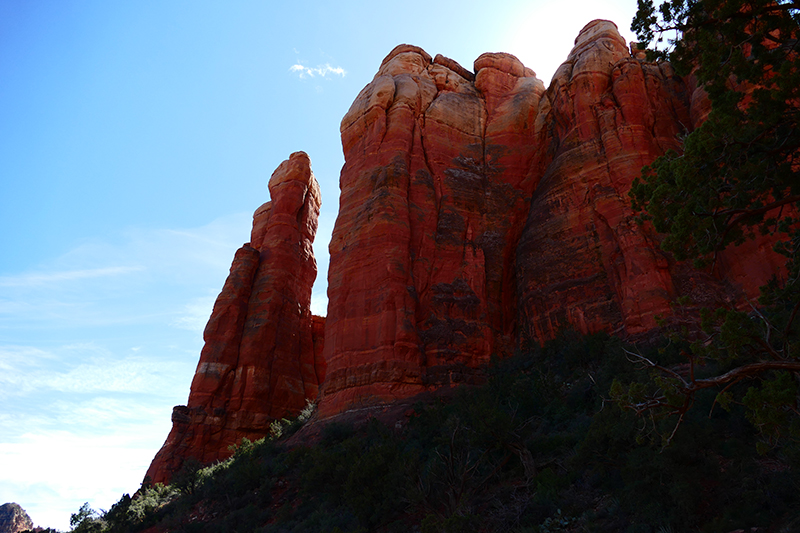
143, 277
97, 346
86, 433
45, 278
128, 375
26, 370
51, 473
319, 304
177, 252
322, 71
195, 314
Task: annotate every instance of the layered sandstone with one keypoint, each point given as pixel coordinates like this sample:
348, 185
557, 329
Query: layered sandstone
435, 188
582, 259
479, 210
262, 357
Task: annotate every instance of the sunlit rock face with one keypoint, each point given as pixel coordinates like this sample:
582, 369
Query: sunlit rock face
263, 349
582, 259
435, 190
14, 519
479, 211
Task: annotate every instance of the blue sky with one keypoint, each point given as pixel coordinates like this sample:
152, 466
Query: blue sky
136, 140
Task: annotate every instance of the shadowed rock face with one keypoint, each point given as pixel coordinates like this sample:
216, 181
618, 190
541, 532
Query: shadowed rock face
582, 260
263, 349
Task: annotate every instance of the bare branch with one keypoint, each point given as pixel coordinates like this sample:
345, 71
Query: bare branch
647, 362
743, 372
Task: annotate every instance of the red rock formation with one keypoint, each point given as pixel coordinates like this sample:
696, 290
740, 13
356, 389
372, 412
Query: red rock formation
582, 260
435, 188
263, 349
433, 267
477, 210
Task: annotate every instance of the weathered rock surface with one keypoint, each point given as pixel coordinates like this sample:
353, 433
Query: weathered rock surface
481, 210
13, 518
478, 211
582, 260
435, 188
263, 349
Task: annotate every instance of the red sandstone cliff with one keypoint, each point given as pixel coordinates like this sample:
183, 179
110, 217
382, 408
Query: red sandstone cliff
435, 188
582, 260
477, 211
262, 356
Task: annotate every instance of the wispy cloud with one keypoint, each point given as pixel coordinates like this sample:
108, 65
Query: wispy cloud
319, 304
99, 371
195, 314
144, 276
322, 71
96, 346
88, 465
45, 278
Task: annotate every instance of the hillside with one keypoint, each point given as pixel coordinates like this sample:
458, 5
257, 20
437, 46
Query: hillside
537, 448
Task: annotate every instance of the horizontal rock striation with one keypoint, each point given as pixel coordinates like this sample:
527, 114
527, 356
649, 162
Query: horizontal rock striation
582, 259
435, 189
262, 357
479, 210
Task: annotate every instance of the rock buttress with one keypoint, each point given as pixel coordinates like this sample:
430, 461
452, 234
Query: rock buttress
583, 261
14, 519
262, 357
479, 211
435, 190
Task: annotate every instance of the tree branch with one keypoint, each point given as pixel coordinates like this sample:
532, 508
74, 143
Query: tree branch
742, 372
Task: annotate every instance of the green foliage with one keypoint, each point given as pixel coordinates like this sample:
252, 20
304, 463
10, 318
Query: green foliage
557, 523
149, 502
187, 478
86, 520
735, 179
740, 167
770, 409
537, 448
119, 516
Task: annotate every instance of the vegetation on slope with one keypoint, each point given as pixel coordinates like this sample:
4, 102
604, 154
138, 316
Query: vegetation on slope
537, 448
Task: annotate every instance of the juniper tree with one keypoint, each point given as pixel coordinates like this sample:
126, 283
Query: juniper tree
737, 176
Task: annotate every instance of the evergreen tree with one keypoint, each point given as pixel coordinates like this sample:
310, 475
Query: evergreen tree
738, 176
